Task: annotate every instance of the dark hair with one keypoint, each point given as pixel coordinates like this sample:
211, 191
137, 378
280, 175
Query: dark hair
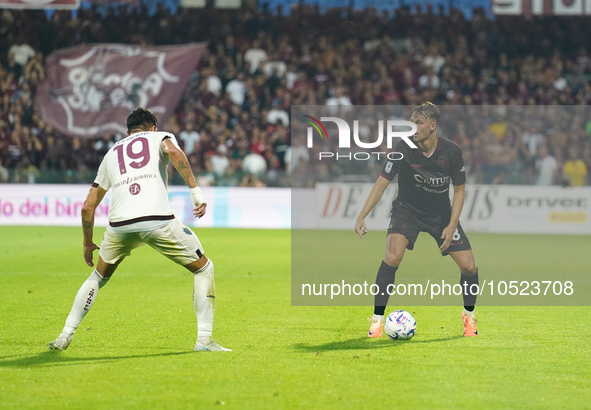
141, 118
427, 109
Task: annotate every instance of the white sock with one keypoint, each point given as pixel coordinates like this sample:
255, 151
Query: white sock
83, 302
379, 318
469, 314
204, 302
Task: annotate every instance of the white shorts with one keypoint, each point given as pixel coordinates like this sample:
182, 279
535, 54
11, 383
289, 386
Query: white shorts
175, 241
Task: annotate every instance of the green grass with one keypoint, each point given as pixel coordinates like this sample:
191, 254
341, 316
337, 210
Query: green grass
134, 349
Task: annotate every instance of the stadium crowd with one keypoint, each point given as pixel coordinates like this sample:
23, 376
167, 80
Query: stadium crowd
258, 64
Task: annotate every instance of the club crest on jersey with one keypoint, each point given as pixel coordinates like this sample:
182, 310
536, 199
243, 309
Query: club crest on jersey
442, 163
135, 189
388, 167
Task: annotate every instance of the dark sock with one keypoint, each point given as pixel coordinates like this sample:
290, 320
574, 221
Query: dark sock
386, 275
469, 299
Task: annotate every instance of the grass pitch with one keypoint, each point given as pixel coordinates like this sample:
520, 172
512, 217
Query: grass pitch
134, 348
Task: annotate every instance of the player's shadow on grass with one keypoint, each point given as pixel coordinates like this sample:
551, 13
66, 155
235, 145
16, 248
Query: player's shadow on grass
365, 343
56, 358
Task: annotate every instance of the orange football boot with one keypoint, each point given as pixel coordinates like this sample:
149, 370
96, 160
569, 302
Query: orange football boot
469, 325
376, 329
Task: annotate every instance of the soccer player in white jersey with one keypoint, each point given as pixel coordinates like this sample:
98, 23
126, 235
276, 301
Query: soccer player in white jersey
136, 169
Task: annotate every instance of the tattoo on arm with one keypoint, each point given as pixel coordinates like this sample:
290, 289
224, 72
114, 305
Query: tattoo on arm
181, 164
184, 170
87, 230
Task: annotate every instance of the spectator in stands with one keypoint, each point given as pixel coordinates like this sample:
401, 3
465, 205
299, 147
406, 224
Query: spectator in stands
254, 164
21, 51
212, 82
281, 143
278, 115
4, 175
273, 175
232, 51
297, 156
546, 166
515, 170
13, 67
231, 177
208, 177
492, 171
499, 127
532, 139
273, 66
434, 60
236, 89
339, 102
244, 91
586, 158
189, 137
220, 161
429, 79
34, 71
575, 170
254, 56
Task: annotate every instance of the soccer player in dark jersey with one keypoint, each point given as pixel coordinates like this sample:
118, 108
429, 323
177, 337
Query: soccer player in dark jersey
423, 205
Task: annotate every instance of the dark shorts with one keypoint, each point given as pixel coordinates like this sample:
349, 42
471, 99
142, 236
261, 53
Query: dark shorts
408, 224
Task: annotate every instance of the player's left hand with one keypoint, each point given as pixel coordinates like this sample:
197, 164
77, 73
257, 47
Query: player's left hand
199, 211
88, 250
447, 236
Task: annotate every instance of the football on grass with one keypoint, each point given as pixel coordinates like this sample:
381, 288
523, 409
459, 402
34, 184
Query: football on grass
400, 325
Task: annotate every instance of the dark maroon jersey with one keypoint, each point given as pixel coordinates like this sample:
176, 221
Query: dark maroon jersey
423, 183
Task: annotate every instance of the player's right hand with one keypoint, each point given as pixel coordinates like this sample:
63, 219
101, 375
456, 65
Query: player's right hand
88, 250
360, 228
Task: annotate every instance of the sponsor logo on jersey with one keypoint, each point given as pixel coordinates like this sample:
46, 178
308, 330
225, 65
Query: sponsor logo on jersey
432, 181
135, 189
136, 178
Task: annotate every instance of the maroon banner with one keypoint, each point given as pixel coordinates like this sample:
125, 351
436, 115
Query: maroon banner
90, 90
40, 4
542, 7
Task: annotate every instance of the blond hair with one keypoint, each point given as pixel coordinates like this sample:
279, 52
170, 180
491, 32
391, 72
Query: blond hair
427, 109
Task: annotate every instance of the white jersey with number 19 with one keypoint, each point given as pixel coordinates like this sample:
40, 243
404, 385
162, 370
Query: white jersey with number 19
136, 169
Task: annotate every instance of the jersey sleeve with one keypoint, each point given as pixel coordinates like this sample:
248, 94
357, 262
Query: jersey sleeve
458, 171
392, 167
102, 178
172, 138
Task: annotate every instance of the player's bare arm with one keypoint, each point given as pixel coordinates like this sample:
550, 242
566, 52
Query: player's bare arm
456, 210
181, 164
94, 198
179, 161
374, 197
